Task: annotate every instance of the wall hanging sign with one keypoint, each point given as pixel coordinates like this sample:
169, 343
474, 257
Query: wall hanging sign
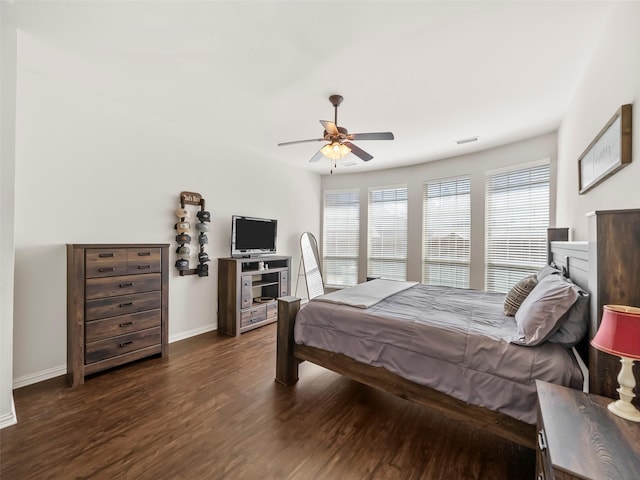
608, 153
183, 237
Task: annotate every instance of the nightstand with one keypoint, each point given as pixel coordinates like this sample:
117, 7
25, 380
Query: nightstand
578, 438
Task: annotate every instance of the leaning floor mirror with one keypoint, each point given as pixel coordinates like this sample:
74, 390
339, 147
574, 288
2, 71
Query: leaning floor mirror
311, 265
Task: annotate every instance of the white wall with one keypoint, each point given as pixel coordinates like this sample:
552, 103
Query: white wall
611, 79
89, 169
475, 165
7, 172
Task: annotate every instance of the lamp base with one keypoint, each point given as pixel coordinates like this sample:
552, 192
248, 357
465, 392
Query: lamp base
625, 410
623, 407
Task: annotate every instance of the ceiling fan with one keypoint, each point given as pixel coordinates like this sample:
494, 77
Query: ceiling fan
339, 139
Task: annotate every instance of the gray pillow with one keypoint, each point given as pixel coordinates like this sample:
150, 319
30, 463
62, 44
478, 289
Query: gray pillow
547, 270
539, 315
518, 293
574, 324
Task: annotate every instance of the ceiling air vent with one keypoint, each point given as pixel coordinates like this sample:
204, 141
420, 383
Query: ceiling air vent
462, 141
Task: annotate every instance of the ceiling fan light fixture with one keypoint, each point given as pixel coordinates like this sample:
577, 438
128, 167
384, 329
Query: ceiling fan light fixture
340, 139
335, 150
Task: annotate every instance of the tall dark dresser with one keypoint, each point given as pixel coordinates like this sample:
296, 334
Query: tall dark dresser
117, 305
614, 279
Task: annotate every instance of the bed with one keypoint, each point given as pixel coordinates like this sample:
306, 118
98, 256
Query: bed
457, 386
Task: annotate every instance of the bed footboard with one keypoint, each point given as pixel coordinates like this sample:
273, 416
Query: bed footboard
286, 363
289, 355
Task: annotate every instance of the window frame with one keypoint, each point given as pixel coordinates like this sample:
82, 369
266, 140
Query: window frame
351, 261
396, 265
535, 246
462, 230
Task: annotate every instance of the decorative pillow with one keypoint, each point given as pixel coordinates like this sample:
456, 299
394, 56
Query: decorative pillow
518, 293
574, 324
547, 270
539, 315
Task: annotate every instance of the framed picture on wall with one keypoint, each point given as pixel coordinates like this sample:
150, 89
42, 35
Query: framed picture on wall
608, 152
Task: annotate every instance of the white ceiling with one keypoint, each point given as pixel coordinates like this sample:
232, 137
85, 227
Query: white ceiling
255, 74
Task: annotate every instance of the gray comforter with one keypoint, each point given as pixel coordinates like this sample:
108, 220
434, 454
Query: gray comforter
454, 340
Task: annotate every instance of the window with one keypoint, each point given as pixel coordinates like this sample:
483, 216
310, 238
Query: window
446, 232
341, 237
387, 253
517, 217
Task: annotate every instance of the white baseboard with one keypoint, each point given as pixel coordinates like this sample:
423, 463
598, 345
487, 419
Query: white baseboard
62, 369
8, 419
39, 376
192, 333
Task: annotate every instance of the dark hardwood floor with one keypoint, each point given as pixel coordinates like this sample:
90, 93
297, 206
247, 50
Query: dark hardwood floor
213, 411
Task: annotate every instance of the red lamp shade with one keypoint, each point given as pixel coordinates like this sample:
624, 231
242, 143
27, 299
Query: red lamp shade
619, 331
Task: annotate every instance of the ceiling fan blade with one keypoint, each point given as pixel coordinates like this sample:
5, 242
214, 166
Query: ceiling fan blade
330, 127
372, 136
301, 141
358, 152
316, 157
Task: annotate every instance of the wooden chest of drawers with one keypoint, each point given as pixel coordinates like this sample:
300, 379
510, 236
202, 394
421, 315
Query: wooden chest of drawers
117, 305
579, 438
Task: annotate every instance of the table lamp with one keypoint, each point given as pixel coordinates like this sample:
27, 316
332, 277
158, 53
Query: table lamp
619, 334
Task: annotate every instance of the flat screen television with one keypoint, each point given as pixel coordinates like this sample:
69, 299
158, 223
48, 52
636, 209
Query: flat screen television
253, 236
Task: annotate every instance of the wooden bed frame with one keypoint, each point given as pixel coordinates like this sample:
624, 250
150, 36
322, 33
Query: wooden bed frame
575, 257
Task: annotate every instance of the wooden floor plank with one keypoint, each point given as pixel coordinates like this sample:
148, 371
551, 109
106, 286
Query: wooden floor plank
212, 410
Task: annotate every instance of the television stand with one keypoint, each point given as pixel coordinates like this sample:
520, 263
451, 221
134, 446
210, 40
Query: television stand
244, 289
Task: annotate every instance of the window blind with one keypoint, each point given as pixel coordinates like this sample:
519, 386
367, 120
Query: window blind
387, 239
446, 232
341, 237
517, 218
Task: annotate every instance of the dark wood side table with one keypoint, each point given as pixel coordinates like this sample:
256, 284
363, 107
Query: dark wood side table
578, 438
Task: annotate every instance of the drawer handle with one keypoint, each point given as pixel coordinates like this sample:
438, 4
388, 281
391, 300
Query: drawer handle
124, 344
106, 269
128, 284
126, 324
144, 254
105, 255
143, 267
541, 441
128, 304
